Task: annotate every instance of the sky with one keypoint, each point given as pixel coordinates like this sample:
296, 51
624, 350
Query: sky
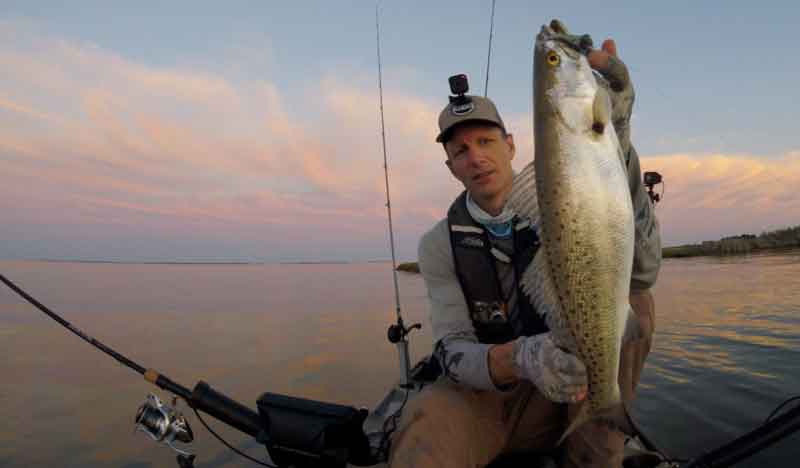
250, 131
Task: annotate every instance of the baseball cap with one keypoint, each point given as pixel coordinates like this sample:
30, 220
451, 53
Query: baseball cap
467, 108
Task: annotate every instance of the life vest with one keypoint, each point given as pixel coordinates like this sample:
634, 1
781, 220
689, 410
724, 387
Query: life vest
475, 258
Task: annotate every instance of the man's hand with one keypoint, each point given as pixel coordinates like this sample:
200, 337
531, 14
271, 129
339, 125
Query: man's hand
608, 64
559, 376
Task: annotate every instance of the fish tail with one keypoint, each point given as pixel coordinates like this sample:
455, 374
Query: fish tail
577, 419
615, 417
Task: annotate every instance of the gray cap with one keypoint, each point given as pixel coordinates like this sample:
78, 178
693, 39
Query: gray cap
458, 111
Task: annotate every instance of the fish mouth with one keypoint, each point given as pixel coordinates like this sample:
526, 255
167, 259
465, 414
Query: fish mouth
558, 40
573, 80
545, 38
546, 32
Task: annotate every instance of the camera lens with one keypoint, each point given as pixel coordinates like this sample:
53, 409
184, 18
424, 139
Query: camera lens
652, 178
459, 84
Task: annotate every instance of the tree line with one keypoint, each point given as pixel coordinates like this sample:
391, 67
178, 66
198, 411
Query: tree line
779, 239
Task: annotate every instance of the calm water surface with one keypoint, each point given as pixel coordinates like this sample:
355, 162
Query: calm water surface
726, 350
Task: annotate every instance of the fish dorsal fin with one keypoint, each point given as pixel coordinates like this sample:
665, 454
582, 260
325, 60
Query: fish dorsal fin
601, 110
523, 199
535, 280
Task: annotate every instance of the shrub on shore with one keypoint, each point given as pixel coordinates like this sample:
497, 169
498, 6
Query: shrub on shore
410, 267
780, 239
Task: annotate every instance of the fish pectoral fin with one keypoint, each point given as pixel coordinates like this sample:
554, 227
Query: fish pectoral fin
601, 110
633, 328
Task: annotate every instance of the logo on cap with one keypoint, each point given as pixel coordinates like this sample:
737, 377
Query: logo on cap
462, 109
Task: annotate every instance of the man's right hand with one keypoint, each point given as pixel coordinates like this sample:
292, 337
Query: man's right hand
559, 376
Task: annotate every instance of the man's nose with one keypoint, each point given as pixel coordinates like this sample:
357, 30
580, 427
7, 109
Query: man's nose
476, 156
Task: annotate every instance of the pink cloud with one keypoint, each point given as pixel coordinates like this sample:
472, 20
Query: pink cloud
713, 195
103, 143
11, 106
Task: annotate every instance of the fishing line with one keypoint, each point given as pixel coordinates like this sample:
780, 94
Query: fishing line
383, 446
489, 55
235, 450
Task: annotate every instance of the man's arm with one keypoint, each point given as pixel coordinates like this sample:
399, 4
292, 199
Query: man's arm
501, 364
647, 247
464, 359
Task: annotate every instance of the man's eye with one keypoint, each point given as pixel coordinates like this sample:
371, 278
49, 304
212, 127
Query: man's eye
484, 141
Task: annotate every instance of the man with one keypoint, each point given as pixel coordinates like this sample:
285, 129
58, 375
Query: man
505, 381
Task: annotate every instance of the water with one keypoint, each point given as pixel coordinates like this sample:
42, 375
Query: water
727, 344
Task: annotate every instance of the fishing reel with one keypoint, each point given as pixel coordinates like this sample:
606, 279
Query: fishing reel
165, 424
651, 179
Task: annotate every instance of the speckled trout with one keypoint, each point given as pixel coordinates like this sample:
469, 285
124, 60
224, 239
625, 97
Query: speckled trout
582, 205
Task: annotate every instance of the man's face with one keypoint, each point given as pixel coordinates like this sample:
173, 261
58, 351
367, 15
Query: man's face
480, 157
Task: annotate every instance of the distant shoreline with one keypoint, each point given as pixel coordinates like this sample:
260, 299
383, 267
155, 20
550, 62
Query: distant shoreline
781, 240
682, 251
773, 241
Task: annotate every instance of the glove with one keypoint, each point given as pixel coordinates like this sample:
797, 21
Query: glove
620, 89
559, 376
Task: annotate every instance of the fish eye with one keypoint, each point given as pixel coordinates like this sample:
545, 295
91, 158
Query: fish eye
553, 59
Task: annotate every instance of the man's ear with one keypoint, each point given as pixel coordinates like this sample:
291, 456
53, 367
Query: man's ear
510, 142
449, 165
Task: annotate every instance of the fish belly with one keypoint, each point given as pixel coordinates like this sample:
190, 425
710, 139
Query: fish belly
587, 234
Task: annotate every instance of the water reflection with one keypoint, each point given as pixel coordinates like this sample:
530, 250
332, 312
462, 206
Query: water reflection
728, 335
315, 331
724, 356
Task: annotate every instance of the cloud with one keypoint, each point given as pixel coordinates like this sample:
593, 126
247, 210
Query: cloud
98, 147
713, 195
96, 140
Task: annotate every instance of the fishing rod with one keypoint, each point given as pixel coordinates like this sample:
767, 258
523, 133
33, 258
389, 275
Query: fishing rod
295, 431
149, 374
398, 332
